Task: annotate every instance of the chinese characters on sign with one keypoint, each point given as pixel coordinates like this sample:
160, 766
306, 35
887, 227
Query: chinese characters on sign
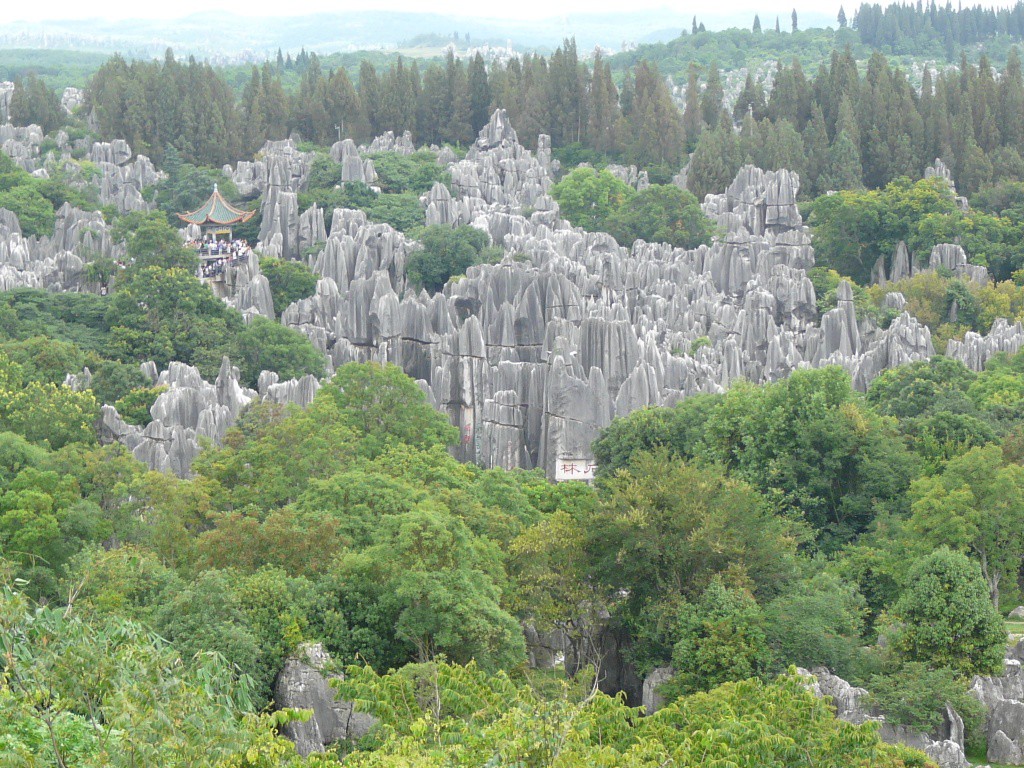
575, 469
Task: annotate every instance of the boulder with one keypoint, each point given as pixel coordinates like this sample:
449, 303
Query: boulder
304, 683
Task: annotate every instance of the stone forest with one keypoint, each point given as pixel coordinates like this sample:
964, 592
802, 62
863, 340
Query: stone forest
512, 408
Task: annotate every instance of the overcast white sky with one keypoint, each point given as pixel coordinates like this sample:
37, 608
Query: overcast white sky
127, 9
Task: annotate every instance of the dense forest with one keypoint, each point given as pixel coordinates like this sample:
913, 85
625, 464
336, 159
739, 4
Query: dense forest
839, 128
727, 540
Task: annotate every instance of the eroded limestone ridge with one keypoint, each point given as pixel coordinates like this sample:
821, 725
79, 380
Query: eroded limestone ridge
530, 357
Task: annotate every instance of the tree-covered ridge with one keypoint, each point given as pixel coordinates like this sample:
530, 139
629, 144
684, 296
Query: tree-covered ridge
915, 28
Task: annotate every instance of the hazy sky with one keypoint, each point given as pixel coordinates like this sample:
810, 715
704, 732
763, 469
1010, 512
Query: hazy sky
73, 9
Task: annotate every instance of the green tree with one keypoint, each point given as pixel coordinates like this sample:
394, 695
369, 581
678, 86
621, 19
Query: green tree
33, 101
820, 622
661, 213
106, 691
444, 591
722, 639
446, 253
976, 506
385, 407
588, 198
810, 443
264, 345
944, 617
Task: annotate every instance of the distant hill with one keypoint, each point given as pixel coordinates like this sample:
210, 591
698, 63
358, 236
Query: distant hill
223, 37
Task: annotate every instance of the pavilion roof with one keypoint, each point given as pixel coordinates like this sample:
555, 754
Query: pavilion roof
216, 210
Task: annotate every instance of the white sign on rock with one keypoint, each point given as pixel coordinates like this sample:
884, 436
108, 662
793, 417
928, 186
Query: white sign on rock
575, 469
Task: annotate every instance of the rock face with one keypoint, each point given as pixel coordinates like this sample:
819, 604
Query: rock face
1003, 698
353, 167
946, 747
604, 649
652, 700
6, 92
303, 683
531, 357
545, 649
278, 164
123, 180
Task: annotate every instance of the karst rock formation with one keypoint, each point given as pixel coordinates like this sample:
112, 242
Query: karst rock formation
530, 357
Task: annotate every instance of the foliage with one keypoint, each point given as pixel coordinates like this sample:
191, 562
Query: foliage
915, 695
852, 229
34, 102
289, 282
417, 172
975, 506
446, 253
444, 598
264, 345
721, 639
664, 214
811, 443
435, 714
587, 198
107, 692
818, 623
679, 429
935, 414
945, 617
44, 412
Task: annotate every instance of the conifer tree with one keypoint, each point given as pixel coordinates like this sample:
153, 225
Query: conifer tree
370, 96
604, 107
843, 170
1011, 102
654, 125
815, 137
711, 99
693, 121
479, 93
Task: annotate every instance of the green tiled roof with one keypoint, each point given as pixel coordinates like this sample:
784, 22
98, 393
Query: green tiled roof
216, 210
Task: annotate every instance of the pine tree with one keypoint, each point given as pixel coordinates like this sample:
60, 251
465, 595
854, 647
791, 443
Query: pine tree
656, 129
757, 25
431, 112
794, 20
479, 93
711, 99
1011, 102
604, 107
816, 149
457, 101
778, 29
370, 96
693, 121
843, 170
714, 162
344, 108
750, 101
693, 30
841, 18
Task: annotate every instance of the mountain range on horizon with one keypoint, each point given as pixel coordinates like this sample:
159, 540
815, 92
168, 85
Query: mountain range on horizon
219, 33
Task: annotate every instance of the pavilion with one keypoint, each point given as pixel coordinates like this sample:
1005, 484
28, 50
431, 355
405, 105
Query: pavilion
216, 217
